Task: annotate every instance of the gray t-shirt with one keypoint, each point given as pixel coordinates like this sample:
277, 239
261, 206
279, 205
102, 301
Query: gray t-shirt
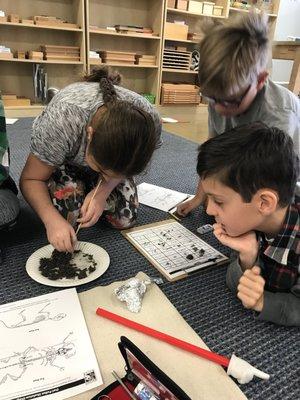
274, 105
59, 133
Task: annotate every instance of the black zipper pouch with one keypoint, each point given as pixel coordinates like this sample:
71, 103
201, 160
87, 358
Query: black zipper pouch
143, 379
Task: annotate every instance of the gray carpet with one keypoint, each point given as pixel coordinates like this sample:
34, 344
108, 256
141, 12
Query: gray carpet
202, 299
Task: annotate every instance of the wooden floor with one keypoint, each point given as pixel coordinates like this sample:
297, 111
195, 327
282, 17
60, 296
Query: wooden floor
192, 120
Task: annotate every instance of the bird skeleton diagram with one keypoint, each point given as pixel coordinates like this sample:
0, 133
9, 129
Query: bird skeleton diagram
14, 366
25, 317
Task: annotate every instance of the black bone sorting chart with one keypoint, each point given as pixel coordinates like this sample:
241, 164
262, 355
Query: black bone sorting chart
173, 249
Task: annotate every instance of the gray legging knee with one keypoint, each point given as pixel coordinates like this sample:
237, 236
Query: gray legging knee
9, 207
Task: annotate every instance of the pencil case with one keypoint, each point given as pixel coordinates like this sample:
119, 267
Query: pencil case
144, 380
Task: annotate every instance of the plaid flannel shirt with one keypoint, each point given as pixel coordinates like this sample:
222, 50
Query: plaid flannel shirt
4, 155
280, 261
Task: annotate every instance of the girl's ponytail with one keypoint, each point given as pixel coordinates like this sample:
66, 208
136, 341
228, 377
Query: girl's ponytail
107, 80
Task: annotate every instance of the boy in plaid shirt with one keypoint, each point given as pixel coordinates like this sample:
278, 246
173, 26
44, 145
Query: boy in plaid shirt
9, 205
249, 175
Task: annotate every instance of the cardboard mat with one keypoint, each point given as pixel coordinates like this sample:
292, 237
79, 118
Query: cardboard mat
199, 378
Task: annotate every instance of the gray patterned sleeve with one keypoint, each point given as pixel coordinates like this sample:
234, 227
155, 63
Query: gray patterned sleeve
55, 132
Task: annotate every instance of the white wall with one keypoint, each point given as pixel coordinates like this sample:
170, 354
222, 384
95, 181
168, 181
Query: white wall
288, 24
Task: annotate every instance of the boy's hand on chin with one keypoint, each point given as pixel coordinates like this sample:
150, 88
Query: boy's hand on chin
251, 289
246, 245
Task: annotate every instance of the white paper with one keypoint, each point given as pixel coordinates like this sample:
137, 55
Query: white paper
45, 349
159, 197
10, 121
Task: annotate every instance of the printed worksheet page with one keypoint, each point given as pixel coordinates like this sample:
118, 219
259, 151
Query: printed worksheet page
159, 197
45, 350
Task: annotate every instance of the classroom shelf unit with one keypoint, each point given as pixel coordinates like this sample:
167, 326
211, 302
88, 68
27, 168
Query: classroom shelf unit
108, 13
92, 31
16, 74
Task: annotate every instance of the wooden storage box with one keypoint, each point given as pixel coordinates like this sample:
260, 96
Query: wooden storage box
182, 5
195, 6
6, 55
8, 96
218, 10
171, 4
208, 8
19, 54
35, 55
176, 31
14, 18
16, 102
145, 59
180, 93
27, 21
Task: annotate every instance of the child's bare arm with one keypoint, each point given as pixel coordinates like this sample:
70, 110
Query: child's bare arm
33, 185
183, 209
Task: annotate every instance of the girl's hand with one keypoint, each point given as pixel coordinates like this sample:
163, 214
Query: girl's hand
183, 209
246, 245
92, 210
61, 234
251, 289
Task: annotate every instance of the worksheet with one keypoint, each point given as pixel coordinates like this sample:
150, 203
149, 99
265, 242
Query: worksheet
159, 197
45, 350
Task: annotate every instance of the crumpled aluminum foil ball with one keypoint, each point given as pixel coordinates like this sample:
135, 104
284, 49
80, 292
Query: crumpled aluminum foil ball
132, 292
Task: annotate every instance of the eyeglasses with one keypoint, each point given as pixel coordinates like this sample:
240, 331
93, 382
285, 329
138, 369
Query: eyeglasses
235, 103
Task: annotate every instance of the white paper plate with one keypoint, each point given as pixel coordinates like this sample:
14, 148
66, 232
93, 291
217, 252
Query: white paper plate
101, 257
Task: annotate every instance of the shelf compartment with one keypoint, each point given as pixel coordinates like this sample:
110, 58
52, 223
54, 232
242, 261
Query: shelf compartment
179, 71
93, 62
192, 14
123, 35
22, 25
242, 10
42, 61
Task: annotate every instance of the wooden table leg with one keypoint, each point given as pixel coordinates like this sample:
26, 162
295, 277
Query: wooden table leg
294, 84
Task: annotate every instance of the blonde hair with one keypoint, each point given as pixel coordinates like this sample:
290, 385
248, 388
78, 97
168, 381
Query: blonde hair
232, 54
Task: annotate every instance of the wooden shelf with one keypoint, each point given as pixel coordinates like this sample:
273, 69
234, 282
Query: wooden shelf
182, 41
124, 65
192, 14
93, 17
29, 37
179, 71
149, 14
124, 35
42, 61
242, 10
21, 25
31, 107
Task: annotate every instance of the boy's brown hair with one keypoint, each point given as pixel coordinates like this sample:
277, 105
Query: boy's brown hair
232, 54
249, 158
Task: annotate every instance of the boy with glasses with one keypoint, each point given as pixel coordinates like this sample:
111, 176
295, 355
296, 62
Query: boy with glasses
233, 78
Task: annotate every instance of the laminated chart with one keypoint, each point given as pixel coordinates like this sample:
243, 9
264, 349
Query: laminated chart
174, 250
